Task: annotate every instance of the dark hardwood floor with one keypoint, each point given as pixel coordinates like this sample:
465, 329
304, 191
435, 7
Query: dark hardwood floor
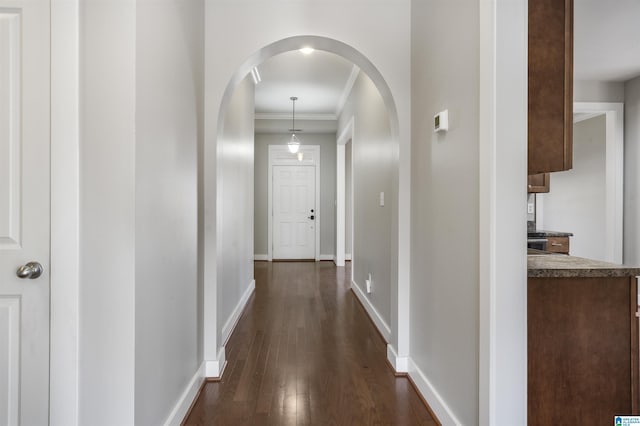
305, 353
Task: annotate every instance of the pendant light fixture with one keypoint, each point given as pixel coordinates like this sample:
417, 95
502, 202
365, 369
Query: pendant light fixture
294, 143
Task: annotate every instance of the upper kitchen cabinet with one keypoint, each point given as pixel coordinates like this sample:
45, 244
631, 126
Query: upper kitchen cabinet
550, 85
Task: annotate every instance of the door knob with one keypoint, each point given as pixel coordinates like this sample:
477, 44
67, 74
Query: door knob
311, 217
31, 270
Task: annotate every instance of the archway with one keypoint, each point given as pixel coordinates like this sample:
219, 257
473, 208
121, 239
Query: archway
396, 330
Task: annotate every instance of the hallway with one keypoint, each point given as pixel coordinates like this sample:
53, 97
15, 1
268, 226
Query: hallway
305, 352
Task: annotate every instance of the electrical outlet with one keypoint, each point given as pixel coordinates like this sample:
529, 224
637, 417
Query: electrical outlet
530, 208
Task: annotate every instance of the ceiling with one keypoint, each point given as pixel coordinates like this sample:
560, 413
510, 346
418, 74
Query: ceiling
606, 40
321, 81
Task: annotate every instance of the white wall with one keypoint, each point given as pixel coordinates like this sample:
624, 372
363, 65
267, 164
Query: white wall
169, 113
235, 206
445, 203
107, 210
327, 143
375, 170
142, 113
631, 174
598, 91
575, 202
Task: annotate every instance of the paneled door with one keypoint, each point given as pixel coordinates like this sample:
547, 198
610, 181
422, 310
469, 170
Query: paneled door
24, 211
294, 212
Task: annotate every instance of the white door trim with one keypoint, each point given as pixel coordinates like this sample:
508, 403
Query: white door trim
279, 155
341, 211
614, 180
502, 342
65, 203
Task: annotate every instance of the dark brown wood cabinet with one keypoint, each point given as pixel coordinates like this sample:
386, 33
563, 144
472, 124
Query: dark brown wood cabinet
558, 244
582, 350
538, 182
550, 126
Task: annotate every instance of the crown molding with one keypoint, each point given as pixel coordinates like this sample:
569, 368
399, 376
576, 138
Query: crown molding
287, 116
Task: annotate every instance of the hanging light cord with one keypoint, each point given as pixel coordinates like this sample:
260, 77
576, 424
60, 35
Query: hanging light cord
294, 143
293, 122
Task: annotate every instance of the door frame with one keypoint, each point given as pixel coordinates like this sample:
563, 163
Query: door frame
65, 213
341, 210
279, 155
614, 175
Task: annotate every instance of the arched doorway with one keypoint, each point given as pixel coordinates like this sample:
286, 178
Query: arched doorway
393, 323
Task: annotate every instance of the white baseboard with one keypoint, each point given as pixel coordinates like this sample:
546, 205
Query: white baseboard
214, 368
260, 257
186, 399
433, 398
235, 315
347, 256
326, 257
380, 323
399, 363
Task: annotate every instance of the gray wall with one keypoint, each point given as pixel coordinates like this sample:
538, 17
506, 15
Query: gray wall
235, 204
575, 201
142, 110
375, 169
631, 174
445, 202
169, 84
327, 217
348, 214
598, 91
107, 210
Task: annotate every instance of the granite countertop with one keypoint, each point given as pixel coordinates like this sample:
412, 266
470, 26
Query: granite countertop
564, 266
540, 233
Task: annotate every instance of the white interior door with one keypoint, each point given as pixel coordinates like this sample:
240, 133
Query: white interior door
294, 212
24, 211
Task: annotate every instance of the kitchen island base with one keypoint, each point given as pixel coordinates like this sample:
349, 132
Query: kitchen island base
582, 349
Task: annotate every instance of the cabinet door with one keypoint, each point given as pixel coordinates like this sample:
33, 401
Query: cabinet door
550, 127
582, 350
538, 182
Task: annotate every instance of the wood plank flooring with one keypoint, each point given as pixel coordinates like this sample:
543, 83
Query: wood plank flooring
305, 353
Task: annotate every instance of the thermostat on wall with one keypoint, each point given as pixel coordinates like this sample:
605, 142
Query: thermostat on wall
441, 121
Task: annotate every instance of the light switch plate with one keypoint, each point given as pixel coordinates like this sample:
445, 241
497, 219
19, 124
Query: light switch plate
441, 121
382, 199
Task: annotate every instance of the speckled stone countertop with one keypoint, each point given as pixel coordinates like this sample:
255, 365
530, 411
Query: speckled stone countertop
540, 233
563, 266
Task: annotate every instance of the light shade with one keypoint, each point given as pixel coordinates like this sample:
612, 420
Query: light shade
294, 144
